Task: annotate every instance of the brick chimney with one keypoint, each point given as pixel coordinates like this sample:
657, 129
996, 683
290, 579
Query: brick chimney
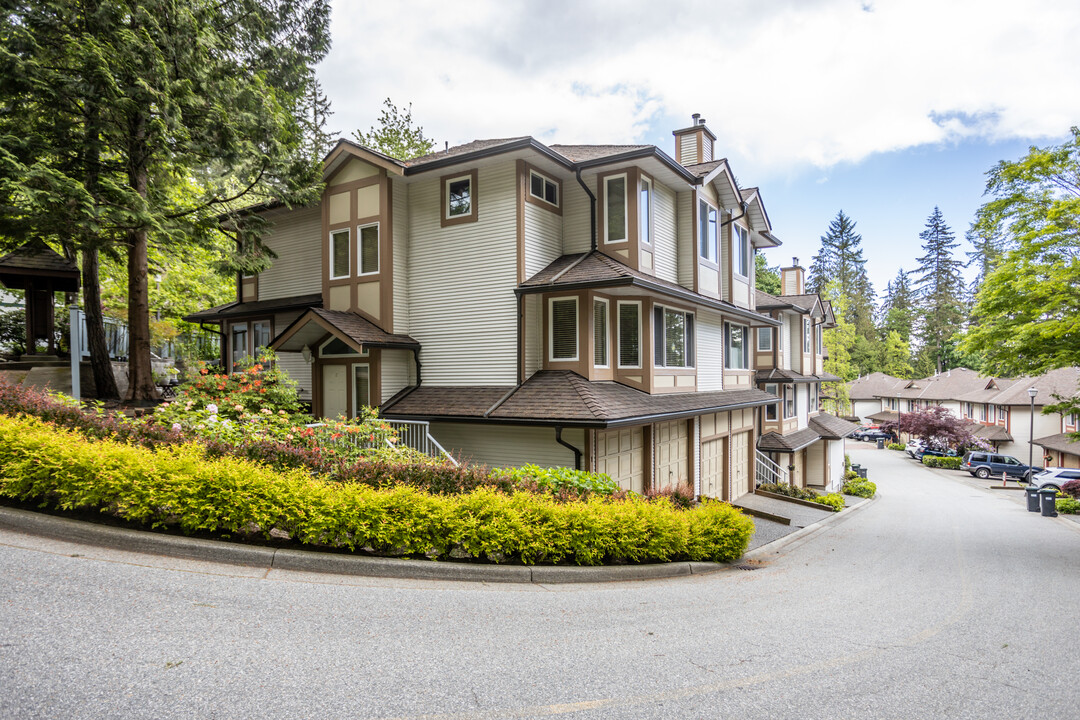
793, 279
694, 144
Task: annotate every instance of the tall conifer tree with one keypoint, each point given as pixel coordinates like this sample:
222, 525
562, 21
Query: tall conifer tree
939, 287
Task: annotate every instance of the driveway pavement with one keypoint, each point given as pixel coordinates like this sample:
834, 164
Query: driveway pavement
938, 600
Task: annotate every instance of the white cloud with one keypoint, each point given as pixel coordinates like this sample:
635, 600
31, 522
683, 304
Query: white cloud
782, 84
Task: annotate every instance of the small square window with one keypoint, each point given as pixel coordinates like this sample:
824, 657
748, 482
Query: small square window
764, 339
771, 411
543, 188
459, 199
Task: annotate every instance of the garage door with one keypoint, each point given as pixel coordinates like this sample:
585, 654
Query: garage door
619, 454
740, 464
672, 454
712, 468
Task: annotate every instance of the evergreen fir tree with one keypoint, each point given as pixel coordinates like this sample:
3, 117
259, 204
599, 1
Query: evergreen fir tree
940, 290
898, 308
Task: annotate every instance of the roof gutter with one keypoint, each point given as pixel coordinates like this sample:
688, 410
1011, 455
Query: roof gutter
577, 453
524, 143
649, 151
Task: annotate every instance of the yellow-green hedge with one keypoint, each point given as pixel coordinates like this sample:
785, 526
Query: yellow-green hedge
178, 485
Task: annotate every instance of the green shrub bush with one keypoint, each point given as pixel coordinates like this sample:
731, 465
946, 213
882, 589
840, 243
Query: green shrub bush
789, 491
180, 486
946, 463
896, 446
860, 487
832, 500
561, 478
1068, 506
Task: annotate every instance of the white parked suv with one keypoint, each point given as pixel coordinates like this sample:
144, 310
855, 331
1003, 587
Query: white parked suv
914, 446
1055, 477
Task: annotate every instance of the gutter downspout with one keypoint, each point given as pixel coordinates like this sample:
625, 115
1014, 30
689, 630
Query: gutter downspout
577, 453
733, 218
416, 360
592, 204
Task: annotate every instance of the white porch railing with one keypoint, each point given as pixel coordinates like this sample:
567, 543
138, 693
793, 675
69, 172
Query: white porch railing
411, 433
766, 471
417, 435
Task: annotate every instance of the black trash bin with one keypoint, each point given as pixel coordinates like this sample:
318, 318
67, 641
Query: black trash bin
862, 472
1032, 493
1048, 502
881, 443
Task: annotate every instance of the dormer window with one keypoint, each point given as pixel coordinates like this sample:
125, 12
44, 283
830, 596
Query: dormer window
615, 209
740, 241
645, 211
707, 231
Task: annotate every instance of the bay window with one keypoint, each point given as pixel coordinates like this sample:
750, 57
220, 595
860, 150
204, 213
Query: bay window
735, 355
707, 232
629, 332
673, 335
615, 209
562, 329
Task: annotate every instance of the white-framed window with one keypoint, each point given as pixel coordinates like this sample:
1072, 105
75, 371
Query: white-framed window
645, 211
764, 339
817, 338
781, 332
771, 411
239, 342
600, 333
983, 412
1002, 413
789, 401
735, 355
261, 334
673, 337
740, 241
562, 329
336, 347
806, 335
543, 188
815, 399
1071, 419
615, 209
361, 385
368, 249
339, 254
459, 197
629, 333
912, 406
707, 231
993, 413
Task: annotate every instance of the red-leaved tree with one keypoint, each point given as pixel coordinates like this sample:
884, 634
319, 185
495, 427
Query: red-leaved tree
937, 426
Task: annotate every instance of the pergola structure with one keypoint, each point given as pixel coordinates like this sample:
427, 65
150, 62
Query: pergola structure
40, 271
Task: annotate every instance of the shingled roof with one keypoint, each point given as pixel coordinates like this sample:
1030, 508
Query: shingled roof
260, 307
1062, 442
562, 397
831, 427
465, 149
352, 328
791, 442
595, 269
35, 259
582, 153
874, 385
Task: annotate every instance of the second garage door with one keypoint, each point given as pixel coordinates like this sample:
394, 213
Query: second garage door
740, 464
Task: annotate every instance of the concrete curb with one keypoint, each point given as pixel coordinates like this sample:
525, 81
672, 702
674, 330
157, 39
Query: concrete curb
776, 545
793, 501
764, 515
89, 533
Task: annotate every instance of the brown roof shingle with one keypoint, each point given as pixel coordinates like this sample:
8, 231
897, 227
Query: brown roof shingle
775, 442
555, 397
465, 149
237, 309
1062, 442
581, 153
831, 427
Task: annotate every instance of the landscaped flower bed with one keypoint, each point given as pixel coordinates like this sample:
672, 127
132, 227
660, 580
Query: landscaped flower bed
181, 485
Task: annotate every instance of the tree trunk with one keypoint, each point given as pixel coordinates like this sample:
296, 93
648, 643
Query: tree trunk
100, 363
141, 389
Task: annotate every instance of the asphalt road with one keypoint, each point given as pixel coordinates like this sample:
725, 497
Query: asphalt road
938, 600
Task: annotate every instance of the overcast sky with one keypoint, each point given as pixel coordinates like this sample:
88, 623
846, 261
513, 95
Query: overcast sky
882, 109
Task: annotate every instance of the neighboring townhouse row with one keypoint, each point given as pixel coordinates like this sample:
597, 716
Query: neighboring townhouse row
1000, 409
590, 306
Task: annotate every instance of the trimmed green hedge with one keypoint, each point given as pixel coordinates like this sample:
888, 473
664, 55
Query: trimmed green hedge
947, 463
896, 446
180, 486
860, 487
832, 500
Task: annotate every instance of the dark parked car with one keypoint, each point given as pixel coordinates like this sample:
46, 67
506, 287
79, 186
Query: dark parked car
985, 464
932, 452
872, 434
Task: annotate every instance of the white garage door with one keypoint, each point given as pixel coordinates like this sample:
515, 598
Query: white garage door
619, 454
740, 464
672, 454
712, 468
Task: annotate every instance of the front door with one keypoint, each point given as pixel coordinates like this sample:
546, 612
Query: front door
335, 393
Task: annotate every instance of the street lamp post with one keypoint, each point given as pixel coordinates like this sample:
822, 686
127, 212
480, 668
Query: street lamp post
1032, 392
